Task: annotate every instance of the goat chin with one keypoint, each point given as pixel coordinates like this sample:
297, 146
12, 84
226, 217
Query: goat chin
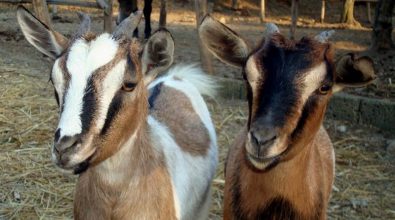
262, 163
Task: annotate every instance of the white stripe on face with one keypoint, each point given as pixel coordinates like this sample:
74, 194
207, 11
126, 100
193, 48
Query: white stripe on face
83, 59
111, 84
312, 80
58, 80
253, 74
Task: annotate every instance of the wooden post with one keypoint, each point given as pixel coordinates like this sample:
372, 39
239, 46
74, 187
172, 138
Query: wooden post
108, 17
294, 13
163, 13
322, 11
235, 5
368, 12
41, 11
201, 11
262, 11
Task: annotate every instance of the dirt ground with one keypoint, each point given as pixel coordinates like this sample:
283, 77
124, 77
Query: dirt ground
32, 188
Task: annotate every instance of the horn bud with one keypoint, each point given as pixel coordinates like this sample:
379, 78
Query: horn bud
84, 27
128, 25
271, 29
324, 36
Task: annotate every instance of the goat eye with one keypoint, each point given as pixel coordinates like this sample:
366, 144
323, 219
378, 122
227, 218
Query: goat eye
324, 89
128, 86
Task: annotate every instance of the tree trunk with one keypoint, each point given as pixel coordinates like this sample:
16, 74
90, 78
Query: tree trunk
348, 13
322, 11
163, 14
108, 17
262, 11
382, 29
201, 11
235, 4
294, 14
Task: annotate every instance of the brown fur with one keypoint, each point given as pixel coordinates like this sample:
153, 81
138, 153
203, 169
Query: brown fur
304, 176
131, 195
134, 197
126, 121
316, 53
293, 182
299, 186
193, 136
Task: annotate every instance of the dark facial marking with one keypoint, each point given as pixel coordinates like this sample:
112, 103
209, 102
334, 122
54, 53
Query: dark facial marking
115, 107
308, 109
57, 135
283, 63
82, 167
89, 105
56, 96
278, 93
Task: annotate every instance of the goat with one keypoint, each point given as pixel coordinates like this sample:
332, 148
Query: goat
281, 165
142, 142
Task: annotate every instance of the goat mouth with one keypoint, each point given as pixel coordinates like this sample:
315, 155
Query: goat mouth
81, 167
262, 163
75, 168
84, 165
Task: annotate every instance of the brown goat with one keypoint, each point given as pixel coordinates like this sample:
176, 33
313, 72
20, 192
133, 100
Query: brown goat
281, 165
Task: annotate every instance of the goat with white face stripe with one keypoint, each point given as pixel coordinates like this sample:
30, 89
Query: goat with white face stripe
144, 146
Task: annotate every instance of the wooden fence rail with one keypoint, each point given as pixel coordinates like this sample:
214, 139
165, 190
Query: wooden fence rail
41, 9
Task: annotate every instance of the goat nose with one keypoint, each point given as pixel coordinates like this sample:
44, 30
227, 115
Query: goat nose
263, 136
65, 142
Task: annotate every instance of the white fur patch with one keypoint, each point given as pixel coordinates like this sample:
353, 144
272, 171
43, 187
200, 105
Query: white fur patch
192, 84
253, 74
110, 86
191, 175
312, 80
205, 84
118, 161
83, 59
58, 80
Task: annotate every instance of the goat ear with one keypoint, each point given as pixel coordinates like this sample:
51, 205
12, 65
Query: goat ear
47, 41
223, 42
354, 71
157, 54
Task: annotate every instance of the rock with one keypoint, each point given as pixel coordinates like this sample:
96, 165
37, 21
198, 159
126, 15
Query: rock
356, 203
17, 196
342, 128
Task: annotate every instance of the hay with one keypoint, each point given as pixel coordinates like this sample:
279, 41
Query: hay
32, 188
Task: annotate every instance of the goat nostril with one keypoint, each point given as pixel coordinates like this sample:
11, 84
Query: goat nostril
253, 138
57, 135
262, 139
66, 142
